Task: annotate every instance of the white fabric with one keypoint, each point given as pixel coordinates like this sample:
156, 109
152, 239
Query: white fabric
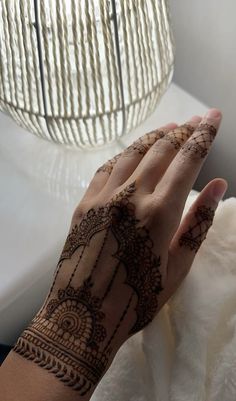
188, 353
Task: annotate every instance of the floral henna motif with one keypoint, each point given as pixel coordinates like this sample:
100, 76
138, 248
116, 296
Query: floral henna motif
76, 313
201, 142
69, 337
142, 266
196, 234
95, 220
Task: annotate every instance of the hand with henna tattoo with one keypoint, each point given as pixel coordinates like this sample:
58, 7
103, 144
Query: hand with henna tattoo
126, 253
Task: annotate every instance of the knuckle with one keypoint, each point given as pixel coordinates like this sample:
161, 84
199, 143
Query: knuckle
159, 208
105, 168
193, 150
108, 166
198, 145
138, 147
161, 147
79, 212
167, 212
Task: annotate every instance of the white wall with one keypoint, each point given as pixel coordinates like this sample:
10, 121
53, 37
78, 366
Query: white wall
205, 37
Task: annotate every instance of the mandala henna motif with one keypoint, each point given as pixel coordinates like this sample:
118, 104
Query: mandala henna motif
196, 234
69, 337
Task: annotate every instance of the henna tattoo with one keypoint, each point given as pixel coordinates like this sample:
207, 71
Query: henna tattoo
70, 337
201, 142
196, 233
141, 145
108, 166
179, 135
65, 338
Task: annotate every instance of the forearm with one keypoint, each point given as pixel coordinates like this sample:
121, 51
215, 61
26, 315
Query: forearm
22, 380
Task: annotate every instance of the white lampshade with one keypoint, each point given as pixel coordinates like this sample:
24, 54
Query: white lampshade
83, 72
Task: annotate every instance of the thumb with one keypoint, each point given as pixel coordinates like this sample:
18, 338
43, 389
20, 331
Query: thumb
193, 230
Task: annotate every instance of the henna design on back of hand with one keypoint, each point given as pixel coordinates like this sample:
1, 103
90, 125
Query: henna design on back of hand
71, 336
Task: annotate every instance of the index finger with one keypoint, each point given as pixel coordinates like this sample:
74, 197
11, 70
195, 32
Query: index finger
184, 169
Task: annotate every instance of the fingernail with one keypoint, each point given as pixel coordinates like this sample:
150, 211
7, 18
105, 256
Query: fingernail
196, 119
219, 190
213, 113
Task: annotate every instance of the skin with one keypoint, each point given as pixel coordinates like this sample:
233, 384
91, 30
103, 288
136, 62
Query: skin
126, 254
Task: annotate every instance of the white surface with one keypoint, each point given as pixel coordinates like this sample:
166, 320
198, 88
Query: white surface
205, 36
41, 183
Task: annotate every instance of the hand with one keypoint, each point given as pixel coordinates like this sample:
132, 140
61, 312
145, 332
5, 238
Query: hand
126, 252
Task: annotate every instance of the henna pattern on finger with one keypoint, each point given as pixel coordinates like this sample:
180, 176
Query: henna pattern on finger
70, 337
178, 136
143, 144
140, 146
108, 166
196, 233
201, 141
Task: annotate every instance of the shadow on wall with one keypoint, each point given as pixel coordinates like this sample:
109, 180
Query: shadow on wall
205, 35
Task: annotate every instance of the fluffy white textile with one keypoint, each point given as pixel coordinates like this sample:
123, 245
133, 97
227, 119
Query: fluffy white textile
188, 353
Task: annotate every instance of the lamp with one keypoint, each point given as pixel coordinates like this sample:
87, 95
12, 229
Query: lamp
83, 72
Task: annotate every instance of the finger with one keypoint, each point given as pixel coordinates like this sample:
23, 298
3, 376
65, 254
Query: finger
184, 169
160, 155
118, 169
193, 231
132, 156
100, 177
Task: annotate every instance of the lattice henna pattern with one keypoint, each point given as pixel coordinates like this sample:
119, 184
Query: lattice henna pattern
69, 336
178, 136
201, 141
196, 234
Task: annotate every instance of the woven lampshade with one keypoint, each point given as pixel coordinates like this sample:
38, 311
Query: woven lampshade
83, 72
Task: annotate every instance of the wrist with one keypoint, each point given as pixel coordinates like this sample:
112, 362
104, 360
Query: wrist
74, 362
21, 380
